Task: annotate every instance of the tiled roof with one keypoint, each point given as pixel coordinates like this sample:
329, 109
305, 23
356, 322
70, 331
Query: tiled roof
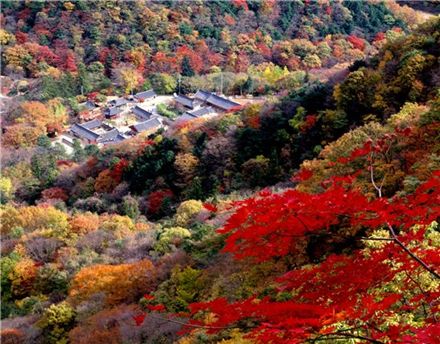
145, 94
185, 117
215, 100
113, 111
83, 132
147, 125
111, 136
119, 102
202, 95
185, 101
141, 113
95, 123
222, 103
90, 105
201, 112
108, 135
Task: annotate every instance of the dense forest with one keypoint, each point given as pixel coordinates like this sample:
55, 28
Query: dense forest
310, 215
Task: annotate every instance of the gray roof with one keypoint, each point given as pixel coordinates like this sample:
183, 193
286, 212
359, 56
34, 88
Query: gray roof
113, 111
118, 138
222, 103
90, 105
119, 102
83, 132
108, 135
185, 117
215, 100
145, 94
147, 125
201, 112
95, 123
141, 113
185, 101
202, 95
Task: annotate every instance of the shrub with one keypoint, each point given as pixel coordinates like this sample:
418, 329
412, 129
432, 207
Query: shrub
33, 218
22, 277
56, 322
11, 336
181, 289
42, 249
130, 207
83, 223
171, 236
50, 279
119, 283
186, 211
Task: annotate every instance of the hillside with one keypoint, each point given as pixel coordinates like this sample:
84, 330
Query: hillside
309, 213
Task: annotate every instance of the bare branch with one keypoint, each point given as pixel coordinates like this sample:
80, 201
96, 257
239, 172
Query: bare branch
411, 254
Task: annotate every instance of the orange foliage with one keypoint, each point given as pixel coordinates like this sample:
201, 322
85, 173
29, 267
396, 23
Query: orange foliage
119, 283
84, 223
11, 336
105, 182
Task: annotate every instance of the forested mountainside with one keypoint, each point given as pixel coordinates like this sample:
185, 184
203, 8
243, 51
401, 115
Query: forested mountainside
77, 47
310, 214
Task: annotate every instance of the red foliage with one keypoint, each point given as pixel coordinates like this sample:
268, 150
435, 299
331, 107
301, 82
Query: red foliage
54, 193
240, 4
358, 43
21, 37
242, 63
309, 123
302, 175
46, 55
276, 225
264, 50
156, 199
379, 37
70, 64
162, 63
211, 207
117, 170
195, 59
139, 319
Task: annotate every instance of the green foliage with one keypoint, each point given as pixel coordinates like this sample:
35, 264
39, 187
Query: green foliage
56, 322
50, 279
163, 110
79, 153
163, 83
170, 237
130, 207
155, 161
7, 265
187, 70
183, 287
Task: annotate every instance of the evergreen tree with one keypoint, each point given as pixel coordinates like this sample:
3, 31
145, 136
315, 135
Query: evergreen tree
79, 154
187, 70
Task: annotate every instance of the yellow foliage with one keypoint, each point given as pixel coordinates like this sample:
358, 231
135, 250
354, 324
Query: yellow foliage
22, 277
15, 55
186, 165
187, 210
9, 217
69, 6
119, 225
6, 37
119, 283
32, 218
6, 189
